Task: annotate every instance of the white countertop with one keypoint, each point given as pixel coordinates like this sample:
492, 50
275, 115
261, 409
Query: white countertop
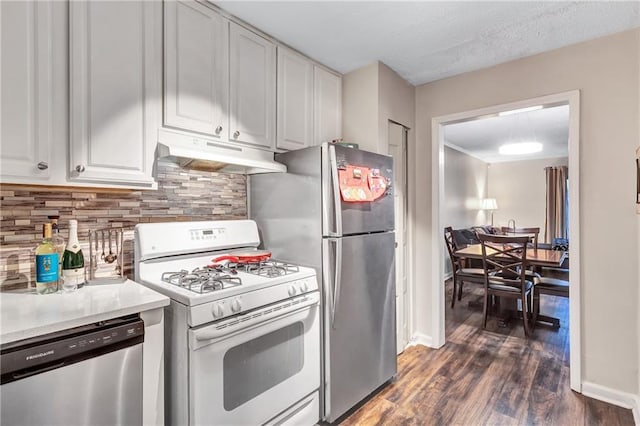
26, 314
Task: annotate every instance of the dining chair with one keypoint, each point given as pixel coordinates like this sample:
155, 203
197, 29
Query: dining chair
460, 273
533, 232
552, 287
504, 261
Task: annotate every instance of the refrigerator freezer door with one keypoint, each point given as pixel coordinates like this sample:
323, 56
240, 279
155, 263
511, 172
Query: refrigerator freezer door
288, 208
355, 217
360, 352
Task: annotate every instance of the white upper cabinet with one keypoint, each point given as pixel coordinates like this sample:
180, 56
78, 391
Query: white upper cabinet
295, 100
115, 90
26, 108
252, 93
196, 60
327, 123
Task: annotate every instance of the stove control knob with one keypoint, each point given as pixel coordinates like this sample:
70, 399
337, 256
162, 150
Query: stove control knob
292, 290
217, 310
304, 287
236, 305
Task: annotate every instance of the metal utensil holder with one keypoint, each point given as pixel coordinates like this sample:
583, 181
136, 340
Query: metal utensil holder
101, 271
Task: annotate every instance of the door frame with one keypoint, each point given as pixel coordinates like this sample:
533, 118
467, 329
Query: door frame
571, 98
406, 332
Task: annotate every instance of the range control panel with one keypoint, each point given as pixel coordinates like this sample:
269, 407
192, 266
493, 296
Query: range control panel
207, 234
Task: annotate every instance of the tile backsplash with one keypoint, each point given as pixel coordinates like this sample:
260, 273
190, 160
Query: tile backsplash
182, 195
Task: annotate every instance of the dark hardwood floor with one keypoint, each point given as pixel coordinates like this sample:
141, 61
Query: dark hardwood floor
492, 376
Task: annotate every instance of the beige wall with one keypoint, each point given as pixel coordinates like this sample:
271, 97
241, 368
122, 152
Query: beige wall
465, 183
373, 95
396, 103
520, 189
606, 71
360, 107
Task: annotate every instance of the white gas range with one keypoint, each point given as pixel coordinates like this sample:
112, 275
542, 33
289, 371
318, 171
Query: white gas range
242, 338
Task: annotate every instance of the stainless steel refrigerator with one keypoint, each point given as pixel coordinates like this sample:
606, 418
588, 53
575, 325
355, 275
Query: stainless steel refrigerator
333, 210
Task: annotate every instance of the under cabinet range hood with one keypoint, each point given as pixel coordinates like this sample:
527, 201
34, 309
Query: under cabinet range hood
201, 153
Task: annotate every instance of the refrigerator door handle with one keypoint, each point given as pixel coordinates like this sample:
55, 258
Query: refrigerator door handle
336, 279
337, 200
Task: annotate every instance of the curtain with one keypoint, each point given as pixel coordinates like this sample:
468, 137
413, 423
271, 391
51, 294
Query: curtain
556, 216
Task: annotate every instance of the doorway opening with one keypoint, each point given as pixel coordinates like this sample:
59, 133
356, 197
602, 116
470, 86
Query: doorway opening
439, 218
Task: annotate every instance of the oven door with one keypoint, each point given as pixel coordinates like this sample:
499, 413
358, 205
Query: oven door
248, 369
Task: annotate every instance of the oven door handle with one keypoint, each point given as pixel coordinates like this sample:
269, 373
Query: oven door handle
241, 322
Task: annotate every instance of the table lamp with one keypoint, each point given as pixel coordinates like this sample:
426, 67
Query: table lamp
489, 204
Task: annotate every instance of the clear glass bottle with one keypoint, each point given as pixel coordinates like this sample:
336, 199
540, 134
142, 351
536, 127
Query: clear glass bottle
46, 263
73, 261
58, 243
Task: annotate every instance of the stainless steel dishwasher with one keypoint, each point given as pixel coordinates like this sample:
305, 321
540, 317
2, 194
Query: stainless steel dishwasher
88, 375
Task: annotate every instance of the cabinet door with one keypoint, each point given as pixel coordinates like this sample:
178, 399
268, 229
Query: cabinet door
295, 100
115, 83
252, 103
196, 88
26, 106
327, 95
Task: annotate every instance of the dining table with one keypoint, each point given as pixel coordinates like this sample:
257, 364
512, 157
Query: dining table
537, 258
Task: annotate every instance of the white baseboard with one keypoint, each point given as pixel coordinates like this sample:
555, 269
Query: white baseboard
421, 339
615, 397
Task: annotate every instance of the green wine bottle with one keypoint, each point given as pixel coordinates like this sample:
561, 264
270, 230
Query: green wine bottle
72, 260
46, 264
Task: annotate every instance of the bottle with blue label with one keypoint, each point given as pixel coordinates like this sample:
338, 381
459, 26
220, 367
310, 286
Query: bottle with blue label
46, 264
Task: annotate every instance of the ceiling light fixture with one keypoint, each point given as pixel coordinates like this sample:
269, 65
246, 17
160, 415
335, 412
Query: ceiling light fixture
520, 148
519, 110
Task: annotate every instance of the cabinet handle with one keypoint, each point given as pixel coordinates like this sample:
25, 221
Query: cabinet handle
218, 130
236, 134
80, 168
43, 165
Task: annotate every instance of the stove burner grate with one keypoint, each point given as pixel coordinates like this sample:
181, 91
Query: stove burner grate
201, 280
272, 268
268, 268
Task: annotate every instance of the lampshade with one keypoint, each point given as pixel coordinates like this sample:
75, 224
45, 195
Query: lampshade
489, 204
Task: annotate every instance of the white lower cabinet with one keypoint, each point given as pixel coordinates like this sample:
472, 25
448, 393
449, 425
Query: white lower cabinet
115, 90
295, 100
26, 109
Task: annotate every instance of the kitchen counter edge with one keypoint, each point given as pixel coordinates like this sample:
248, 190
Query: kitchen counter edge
26, 314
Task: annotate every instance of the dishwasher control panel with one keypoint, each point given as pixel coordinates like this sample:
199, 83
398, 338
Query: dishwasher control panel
43, 353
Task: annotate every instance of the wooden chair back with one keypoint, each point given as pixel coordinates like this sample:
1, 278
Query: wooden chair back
534, 232
505, 258
451, 248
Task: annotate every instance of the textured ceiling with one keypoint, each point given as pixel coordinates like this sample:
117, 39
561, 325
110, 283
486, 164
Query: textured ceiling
482, 138
427, 41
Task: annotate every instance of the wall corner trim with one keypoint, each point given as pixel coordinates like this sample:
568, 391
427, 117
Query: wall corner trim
613, 396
